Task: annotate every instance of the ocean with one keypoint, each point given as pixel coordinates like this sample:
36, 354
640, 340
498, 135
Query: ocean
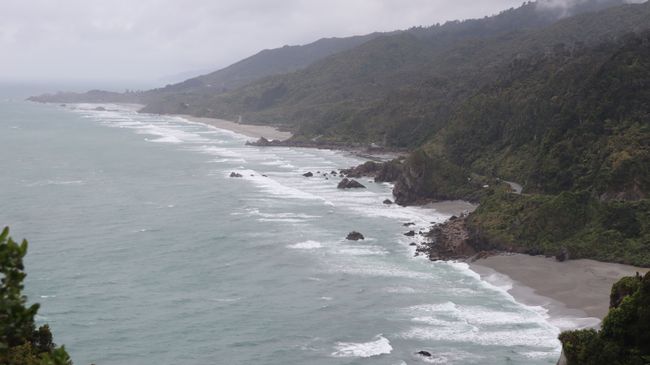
144, 251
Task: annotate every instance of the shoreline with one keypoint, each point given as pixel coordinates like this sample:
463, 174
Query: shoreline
248, 130
574, 293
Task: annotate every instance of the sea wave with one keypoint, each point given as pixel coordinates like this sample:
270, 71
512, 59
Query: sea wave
379, 346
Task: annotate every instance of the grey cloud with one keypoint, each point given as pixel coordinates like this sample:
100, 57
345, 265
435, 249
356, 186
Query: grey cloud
145, 39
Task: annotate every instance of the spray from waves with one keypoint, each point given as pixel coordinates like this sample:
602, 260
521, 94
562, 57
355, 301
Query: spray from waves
379, 346
307, 245
357, 260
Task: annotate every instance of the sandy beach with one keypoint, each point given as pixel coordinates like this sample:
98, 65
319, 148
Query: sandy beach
250, 130
571, 289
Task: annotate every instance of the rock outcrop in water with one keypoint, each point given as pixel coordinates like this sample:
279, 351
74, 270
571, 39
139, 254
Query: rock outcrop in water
235, 174
355, 236
350, 184
388, 171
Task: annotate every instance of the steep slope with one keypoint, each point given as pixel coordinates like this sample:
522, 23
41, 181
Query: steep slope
381, 88
573, 126
265, 63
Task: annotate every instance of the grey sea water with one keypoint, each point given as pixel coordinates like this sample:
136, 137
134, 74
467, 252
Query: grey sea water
144, 251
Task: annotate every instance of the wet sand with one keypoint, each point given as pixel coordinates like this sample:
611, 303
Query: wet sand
571, 289
250, 130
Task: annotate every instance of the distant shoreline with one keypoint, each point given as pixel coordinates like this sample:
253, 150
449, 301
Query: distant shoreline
249, 130
574, 292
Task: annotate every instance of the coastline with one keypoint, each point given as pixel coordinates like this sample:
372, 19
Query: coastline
575, 292
249, 130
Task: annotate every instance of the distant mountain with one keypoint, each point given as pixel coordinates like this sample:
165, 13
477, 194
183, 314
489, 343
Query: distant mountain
348, 94
266, 63
182, 76
263, 64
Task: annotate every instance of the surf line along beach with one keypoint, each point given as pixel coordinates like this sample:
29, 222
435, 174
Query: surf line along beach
288, 179
576, 289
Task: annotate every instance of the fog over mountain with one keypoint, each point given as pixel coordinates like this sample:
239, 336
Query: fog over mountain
149, 39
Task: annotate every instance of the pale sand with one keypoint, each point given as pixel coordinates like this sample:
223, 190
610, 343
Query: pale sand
249, 130
571, 289
452, 207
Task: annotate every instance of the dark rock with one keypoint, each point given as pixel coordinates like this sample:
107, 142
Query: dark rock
424, 353
563, 255
333, 173
354, 236
262, 142
350, 184
308, 174
381, 171
408, 224
410, 234
388, 202
413, 244
451, 241
100, 109
234, 174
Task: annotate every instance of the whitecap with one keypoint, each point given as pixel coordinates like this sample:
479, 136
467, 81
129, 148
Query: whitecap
307, 245
379, 346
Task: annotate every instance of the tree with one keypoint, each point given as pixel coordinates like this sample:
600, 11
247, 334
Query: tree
625, 335
21, 343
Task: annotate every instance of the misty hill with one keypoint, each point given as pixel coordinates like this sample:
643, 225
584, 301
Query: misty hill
348, 94
265, 63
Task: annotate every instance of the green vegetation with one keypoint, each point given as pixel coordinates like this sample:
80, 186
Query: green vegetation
573, 222
559, 105
21, 343
625, 335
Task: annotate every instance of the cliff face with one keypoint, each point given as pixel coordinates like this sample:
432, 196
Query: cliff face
625, 335
426, 178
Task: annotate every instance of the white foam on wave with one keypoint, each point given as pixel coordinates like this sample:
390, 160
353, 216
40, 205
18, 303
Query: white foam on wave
306, 245
274, 187
213, 129
166, 139
403, 290
503, 284
530, 337
376, 268
168, 133
281, 220
379, 346
218, 151
448, 321
455, 357
256, 212
55, 182
362, 251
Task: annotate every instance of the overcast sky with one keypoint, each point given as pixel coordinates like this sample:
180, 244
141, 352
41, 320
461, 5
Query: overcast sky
149, 39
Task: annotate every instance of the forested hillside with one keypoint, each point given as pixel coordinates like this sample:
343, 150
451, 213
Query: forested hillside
399, 89
573, 127
555, 99
265, 63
